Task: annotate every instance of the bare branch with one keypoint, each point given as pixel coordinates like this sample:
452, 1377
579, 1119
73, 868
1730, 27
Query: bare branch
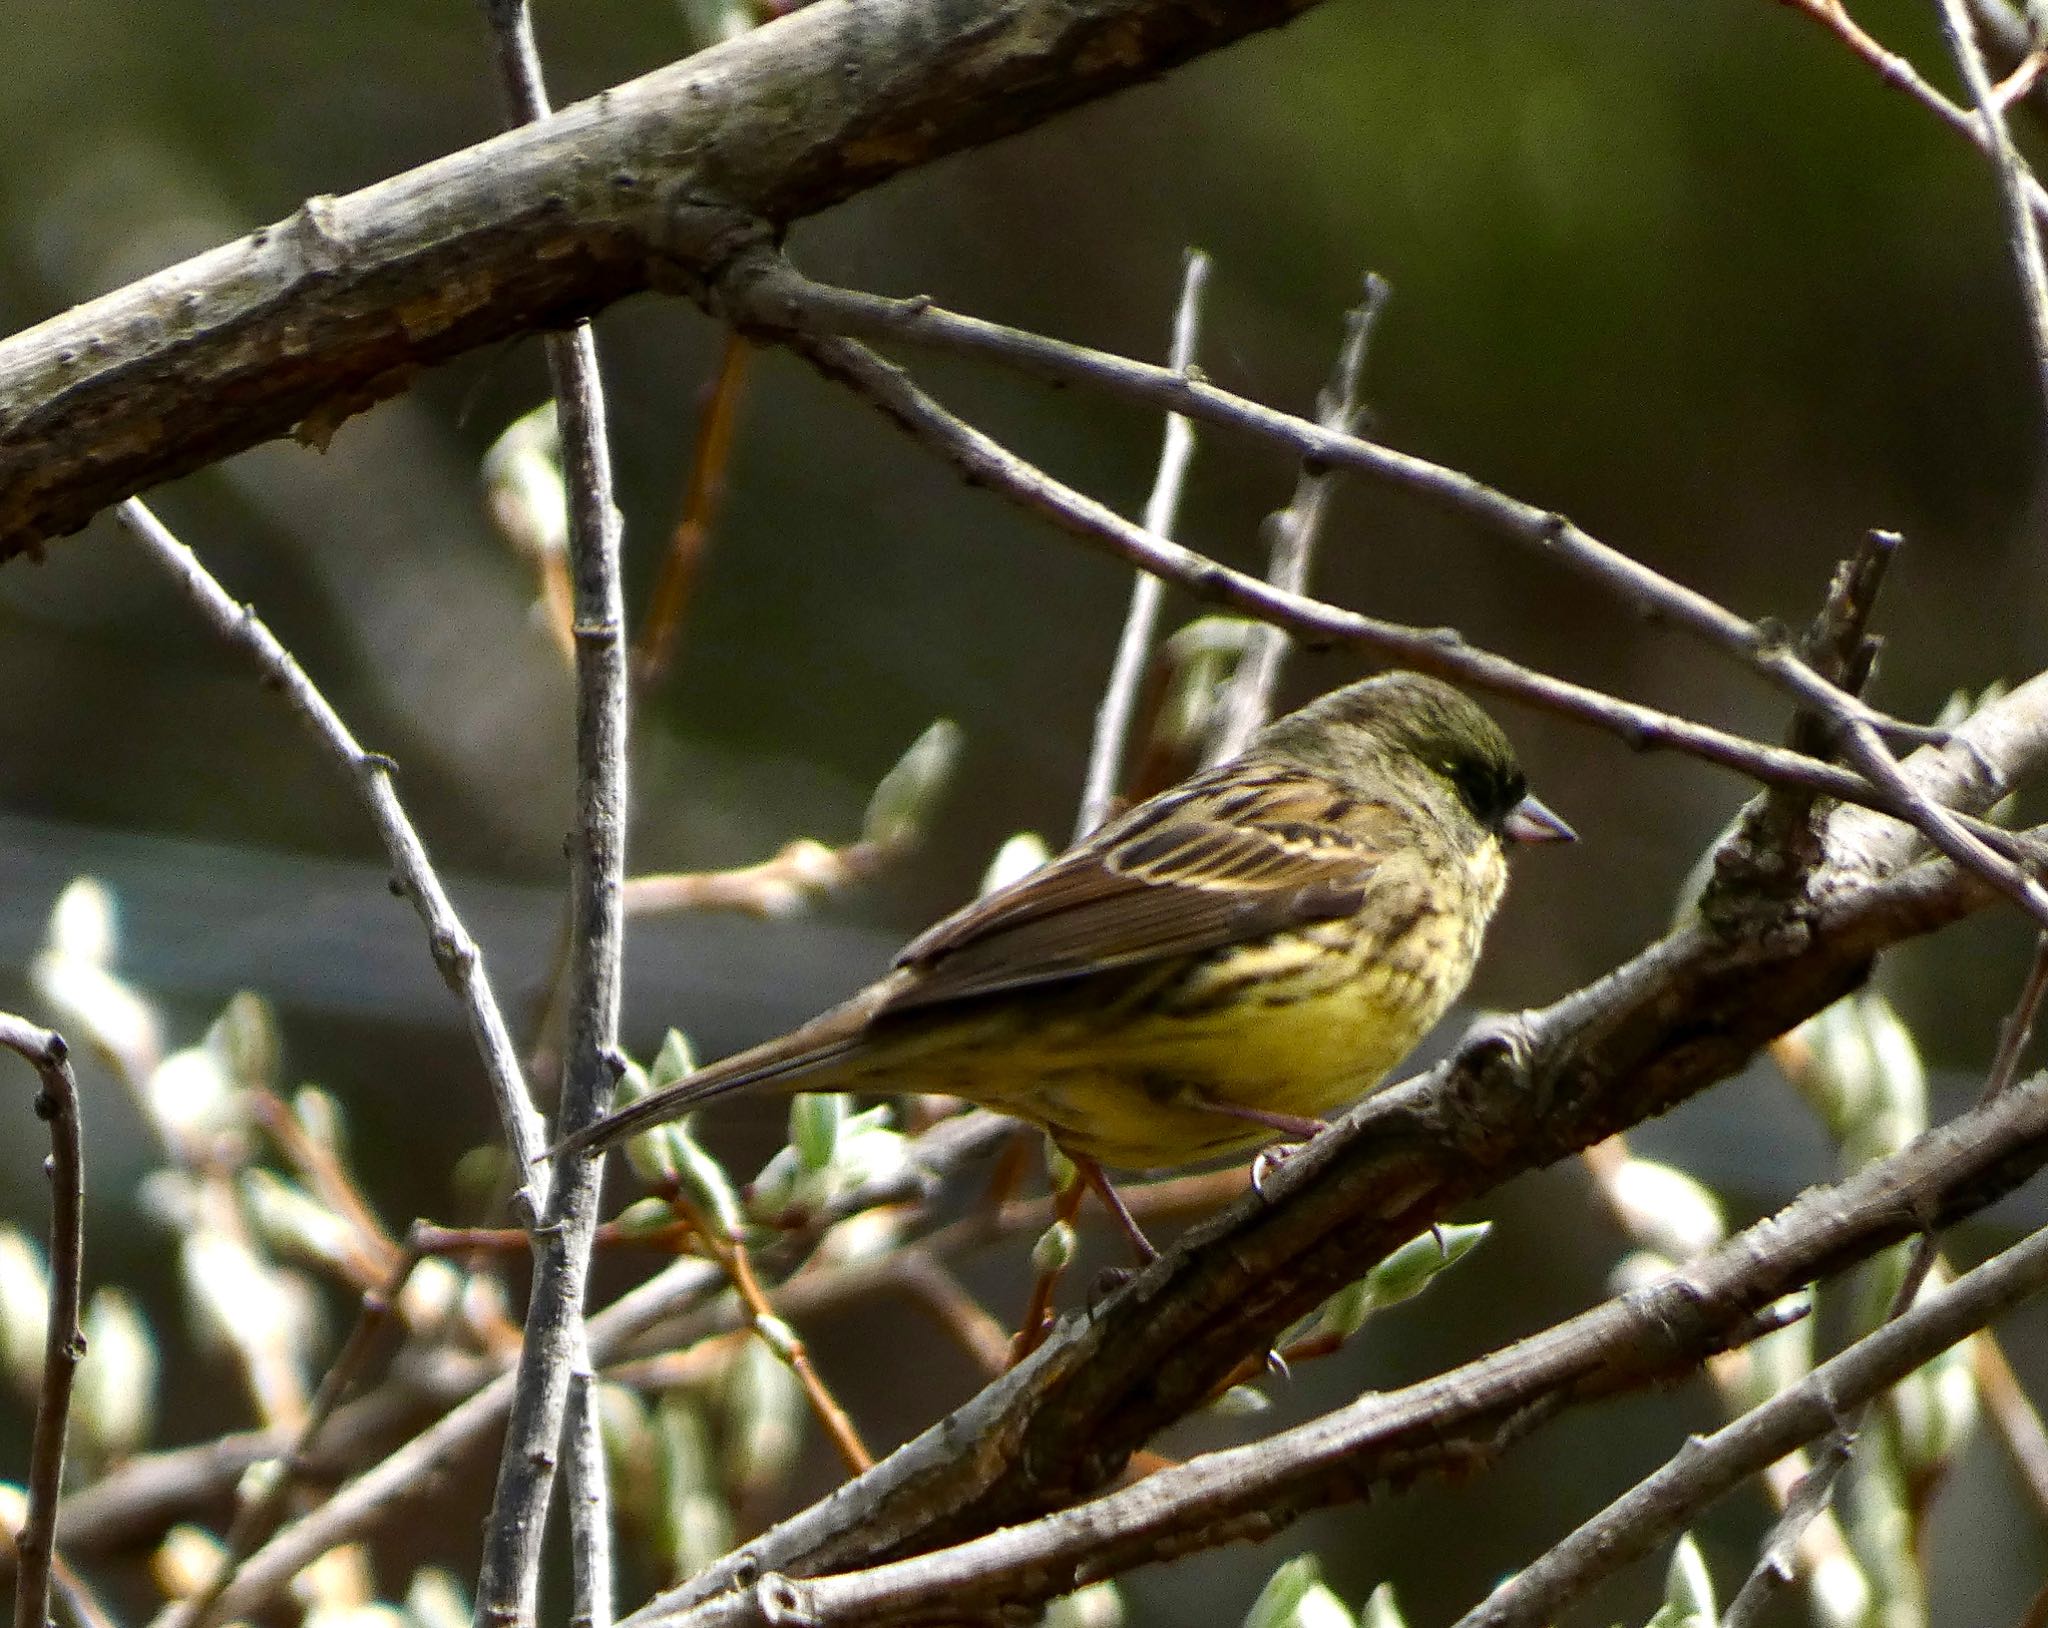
591, 1583
765, 293
709, 458
56, 1104
2023, 231
1707, 1468
457, 955
1466, 1416
1134, 644
415, 1469
1249, 700
556, 1344
651, 183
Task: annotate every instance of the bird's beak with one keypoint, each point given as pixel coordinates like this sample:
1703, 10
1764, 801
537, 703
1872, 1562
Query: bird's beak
1530, 821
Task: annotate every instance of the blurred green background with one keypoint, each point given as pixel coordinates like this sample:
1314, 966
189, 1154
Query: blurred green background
1686, 271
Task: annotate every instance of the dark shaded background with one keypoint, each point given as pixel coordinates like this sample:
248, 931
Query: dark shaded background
1686, 271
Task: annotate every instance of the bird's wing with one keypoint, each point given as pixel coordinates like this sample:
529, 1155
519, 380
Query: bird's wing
1220, 862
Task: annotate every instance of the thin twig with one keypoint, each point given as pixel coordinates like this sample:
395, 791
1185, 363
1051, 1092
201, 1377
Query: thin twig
556, 1343
709, 459
1707, 1467
763, 290
592, 1585
1812, 1494
258, 1518
1141, 620
2022, 230
1249, 700
56, 1104
1899, 72
777, 1335
1435, 650
424, 1461
921, 1274
86, 1607
455, 953
1868, 753
1450, 1422
373, 1251
775, 887
1805, 1501
1782, 836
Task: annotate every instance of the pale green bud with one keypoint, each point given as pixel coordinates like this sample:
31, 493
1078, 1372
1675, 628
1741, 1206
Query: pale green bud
192, 1096
292, 1221
696, 1525
1199, 659
764, 1410
1016, 859
1239, 1402
85, 923
1054, 1251
904, 798
1381, 1611
432, 1295
1099, 1605
645, 1215
24, 1309
625, 1425
319, 1115
1935, 1408
436, 1599
74, 975
1417, 1263
1688, 1591
245, 1040
523, 486
186, 1561
675, 1061
815, 1118
1295, 1596
705, 1180
115, 1400
1666, 1210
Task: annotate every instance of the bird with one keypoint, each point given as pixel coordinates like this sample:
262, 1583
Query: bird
1223, 965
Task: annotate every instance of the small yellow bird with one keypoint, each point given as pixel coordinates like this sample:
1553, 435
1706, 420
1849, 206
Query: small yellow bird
1227, 962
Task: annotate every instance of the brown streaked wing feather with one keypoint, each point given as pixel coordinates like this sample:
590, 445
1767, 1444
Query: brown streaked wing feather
1221, 861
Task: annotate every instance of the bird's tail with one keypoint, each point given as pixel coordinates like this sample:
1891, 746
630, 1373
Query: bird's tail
780, 1063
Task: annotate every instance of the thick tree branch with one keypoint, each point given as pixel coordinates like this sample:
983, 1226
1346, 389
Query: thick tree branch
1462, 1417
300, 324
1516, 1096
1704, 1470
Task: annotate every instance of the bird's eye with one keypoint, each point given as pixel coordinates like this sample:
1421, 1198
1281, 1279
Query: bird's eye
1484, 788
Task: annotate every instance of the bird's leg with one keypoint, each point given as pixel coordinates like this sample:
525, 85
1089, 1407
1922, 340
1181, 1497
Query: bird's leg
1113, 1201
1295, 1127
